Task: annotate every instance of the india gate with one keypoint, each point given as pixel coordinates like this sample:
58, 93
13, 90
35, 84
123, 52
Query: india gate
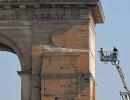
55, 43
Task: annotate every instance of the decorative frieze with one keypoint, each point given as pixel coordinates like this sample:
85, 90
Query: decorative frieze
95, 6
45, 1
42, 14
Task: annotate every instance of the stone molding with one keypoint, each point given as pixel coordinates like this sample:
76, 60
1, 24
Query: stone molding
48, 14
43, 14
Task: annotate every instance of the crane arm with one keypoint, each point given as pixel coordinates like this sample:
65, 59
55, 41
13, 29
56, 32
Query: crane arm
126, 93
122, 77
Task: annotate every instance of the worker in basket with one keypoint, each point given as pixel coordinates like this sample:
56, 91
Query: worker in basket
101, 52
115, 53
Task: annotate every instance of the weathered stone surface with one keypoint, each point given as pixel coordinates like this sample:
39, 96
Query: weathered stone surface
55, 42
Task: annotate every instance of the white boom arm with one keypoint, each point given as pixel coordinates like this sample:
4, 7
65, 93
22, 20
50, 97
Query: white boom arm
126, 93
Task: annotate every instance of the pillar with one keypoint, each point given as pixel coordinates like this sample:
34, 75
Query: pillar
26, 77
36, 79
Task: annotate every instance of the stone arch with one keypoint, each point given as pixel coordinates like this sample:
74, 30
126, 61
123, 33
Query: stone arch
7, 44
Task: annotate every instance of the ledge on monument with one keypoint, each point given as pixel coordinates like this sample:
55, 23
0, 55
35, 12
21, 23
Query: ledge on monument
24, 72
48, 50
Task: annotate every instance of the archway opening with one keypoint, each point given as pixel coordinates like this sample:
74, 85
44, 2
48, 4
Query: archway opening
10, 82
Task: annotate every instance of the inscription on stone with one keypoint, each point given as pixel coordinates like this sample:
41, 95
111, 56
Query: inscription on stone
45, 14
43, 1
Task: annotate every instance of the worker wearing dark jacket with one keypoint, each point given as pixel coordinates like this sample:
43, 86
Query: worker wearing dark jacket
115, 53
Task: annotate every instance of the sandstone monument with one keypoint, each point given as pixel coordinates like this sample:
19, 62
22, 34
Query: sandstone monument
55, 42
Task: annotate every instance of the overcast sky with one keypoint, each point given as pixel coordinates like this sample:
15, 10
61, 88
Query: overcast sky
114, 32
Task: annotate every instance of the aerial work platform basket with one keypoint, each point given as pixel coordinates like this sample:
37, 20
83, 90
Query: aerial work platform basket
108, 56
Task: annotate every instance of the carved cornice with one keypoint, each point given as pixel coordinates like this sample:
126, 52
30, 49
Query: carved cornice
24, 10
48, 1
43, 14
